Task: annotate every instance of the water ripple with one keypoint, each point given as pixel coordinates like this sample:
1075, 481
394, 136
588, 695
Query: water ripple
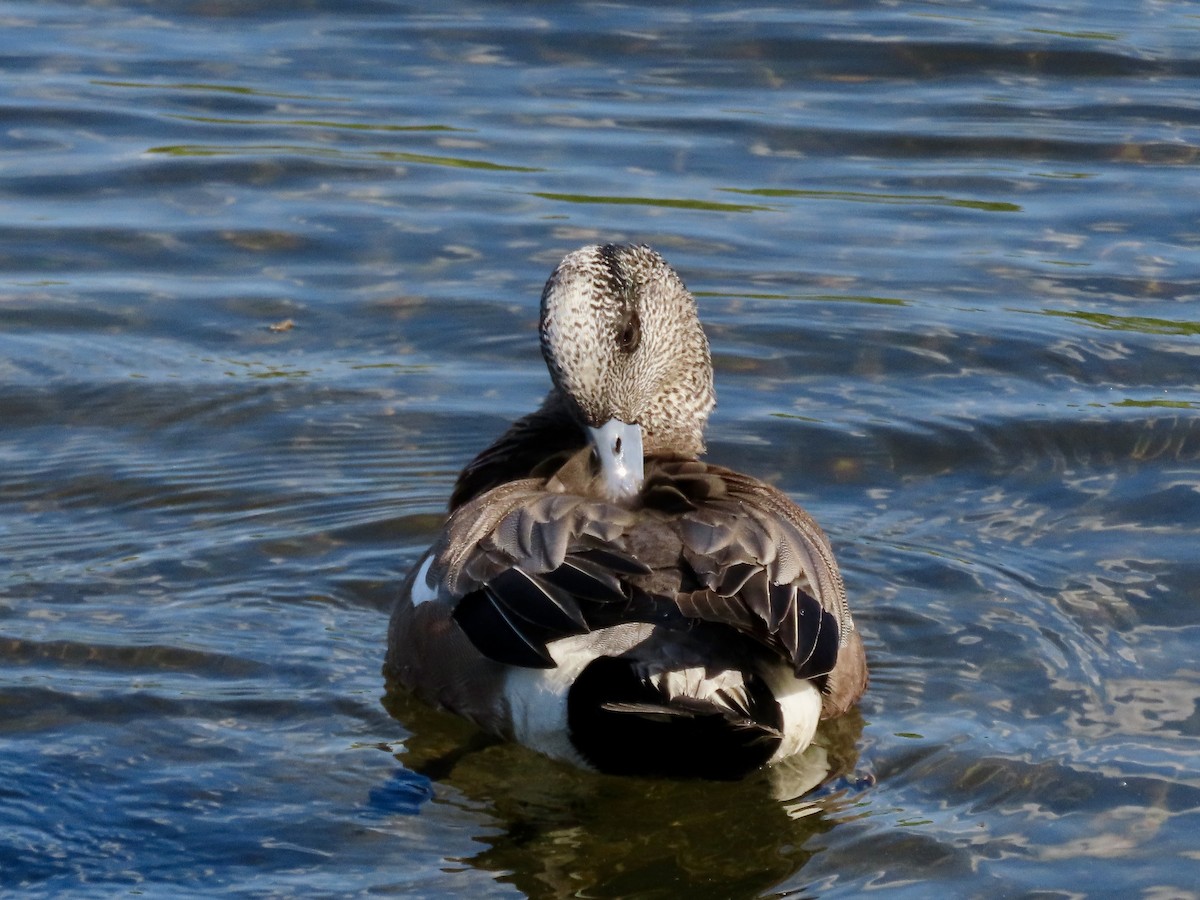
268, 280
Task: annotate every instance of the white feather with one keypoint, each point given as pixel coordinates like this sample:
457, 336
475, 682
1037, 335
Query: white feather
537, 698
695, 682
799, 702
422, 591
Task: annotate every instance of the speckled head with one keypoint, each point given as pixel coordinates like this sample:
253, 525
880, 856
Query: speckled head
623, 343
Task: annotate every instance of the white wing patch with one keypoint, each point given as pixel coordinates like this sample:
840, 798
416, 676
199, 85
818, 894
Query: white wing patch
422, 591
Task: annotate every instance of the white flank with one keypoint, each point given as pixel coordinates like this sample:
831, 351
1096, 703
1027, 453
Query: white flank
800, 703
537, 698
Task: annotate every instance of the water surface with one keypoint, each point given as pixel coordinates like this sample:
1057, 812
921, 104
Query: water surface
269, 278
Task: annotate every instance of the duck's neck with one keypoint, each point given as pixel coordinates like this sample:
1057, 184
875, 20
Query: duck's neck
535, 443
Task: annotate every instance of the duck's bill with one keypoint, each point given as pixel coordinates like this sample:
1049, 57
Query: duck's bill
619, 449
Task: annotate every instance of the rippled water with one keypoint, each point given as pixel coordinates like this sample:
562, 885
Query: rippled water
269, 277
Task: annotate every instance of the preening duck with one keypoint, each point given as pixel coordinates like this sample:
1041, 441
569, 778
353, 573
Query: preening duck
602, 595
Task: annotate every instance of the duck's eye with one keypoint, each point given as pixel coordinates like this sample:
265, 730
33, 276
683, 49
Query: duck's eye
631, 334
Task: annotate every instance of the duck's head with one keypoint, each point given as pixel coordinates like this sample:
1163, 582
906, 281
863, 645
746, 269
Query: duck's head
626, 352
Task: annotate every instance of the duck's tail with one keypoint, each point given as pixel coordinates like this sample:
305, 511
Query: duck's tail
688, 722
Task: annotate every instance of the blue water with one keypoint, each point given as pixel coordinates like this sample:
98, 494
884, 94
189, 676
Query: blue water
269, 277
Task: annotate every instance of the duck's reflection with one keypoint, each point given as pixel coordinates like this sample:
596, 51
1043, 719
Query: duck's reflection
566, 832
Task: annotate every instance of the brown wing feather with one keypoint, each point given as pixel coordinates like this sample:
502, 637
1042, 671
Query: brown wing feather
758, 525
708, 545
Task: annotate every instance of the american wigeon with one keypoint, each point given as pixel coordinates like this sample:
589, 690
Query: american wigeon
602, 595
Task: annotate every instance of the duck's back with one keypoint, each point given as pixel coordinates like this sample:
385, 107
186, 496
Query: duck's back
712, 574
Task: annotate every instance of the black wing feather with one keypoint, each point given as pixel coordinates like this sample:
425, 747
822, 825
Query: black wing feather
494, 633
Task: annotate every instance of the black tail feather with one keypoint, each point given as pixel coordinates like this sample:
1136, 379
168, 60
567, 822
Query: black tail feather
623, 724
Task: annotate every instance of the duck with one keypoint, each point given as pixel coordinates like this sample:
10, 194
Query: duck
602, 594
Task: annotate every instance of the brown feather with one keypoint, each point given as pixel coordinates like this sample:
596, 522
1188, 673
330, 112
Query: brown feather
754, 555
